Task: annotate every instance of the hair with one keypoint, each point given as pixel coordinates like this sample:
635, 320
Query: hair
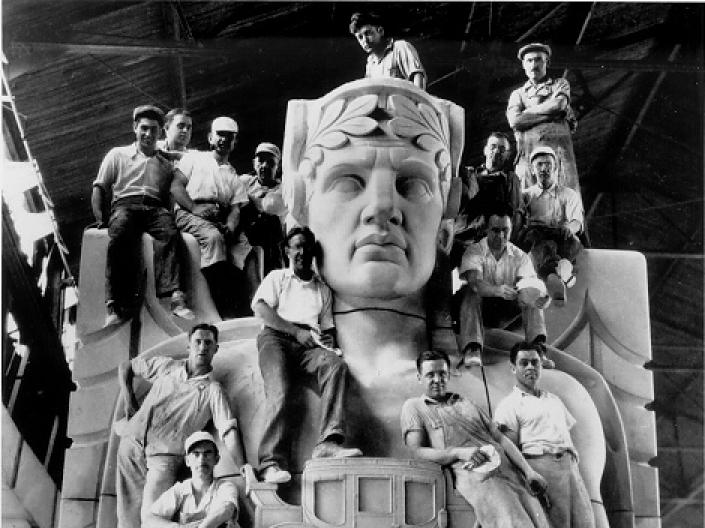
300, 230
149, 114
500, 209
522, 345
171, 114
499, 135
431, 355
360, 20
206, 327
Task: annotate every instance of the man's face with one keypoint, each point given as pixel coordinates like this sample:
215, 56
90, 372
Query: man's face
202, 348
535, 64
266, 168
376, 211
496, 152
300, 253
544, 168
202, 458
370, 38
527, 369
222, 142
146, 133
433, 377
498, 232
178, 133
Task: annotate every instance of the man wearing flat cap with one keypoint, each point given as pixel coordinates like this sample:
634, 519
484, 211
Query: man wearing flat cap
539, 113
553, 219
202, 500
134, 180
209, 195
263, 217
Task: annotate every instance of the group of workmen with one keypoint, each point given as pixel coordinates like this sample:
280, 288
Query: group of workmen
162, 187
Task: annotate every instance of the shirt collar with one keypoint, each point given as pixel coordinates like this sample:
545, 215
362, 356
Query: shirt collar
288, 272
452, 398
524, 393
387, 49
528, 85
201, 377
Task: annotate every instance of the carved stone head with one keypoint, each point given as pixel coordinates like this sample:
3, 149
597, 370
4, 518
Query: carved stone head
369, 167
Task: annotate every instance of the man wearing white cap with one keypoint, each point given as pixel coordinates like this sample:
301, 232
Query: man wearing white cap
209, 195
263, 216
554, 218
201, 501
539, 112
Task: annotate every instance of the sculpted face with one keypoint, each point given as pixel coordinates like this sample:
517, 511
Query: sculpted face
375, 209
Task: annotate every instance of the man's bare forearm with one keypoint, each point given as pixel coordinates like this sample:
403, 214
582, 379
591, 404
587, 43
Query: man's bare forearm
272, 319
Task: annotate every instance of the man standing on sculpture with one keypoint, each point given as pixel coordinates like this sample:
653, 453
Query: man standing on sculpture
209, 195
445, 428
183, 398
539, 113
134, 181
386, 57
298, 337
539, 424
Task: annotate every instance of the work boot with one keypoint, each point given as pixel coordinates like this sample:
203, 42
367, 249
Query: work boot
472, 355
540, 343
329, 449
114, 314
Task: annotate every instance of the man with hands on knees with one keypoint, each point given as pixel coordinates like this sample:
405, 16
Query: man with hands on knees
183, 398
445, 428
201, 501
298, 337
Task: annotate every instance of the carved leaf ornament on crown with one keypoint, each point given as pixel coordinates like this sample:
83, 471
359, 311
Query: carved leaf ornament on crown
421, 124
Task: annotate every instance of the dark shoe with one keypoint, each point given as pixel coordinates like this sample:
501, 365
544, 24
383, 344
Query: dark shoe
275, 475
114, 314
540, 343
556, 288
328, 449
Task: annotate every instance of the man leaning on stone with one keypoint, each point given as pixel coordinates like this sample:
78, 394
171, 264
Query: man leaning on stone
183, 398
298, 337
131, 197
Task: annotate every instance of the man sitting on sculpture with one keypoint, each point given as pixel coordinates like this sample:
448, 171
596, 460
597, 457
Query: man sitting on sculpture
554, 218
493, 182
446, 428
202, 501
178, 127
209, 195
263, 216
183, 398
499, 287
130, 197
386, 57
298, 337
539, 424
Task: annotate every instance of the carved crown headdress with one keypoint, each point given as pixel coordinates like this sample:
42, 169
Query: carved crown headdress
376, 109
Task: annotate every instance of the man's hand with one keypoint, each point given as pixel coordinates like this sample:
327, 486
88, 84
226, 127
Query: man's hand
506, 292
473, 456
305, 338
205, 210
537, 484
566, 231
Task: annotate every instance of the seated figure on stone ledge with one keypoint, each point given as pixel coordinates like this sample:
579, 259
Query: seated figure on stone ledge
369, 167
298, 337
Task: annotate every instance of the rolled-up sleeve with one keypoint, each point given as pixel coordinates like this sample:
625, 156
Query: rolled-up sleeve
167, 504
226, 493
407, 59
108, 171
153, 367
410, 418
525, 269
269, 290
515, 106
220, 409
505, 415
472, 260
573, 206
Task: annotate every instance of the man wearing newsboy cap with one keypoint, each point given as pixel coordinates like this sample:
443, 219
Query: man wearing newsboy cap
539, 113
131, 196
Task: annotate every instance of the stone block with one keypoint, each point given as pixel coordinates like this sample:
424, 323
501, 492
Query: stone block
77, 514
83, 478
11, 444
35, 489
91, 411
